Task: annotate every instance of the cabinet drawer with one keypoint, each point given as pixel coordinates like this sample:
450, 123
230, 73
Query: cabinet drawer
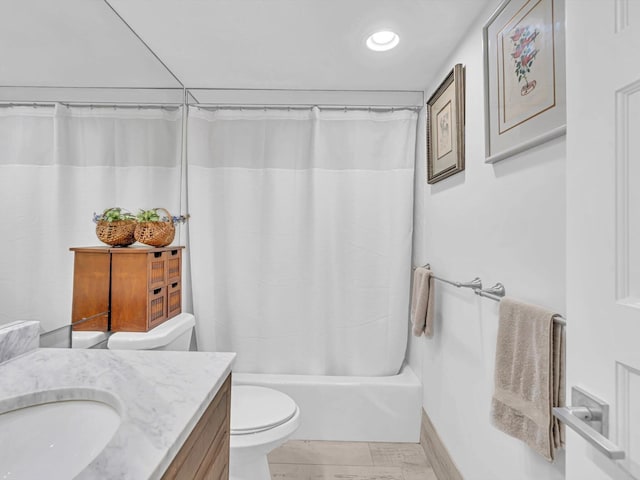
157, 269
157, 311
174, 299
173, 260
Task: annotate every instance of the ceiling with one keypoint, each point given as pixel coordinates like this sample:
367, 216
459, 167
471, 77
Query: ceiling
73, 43
235, 44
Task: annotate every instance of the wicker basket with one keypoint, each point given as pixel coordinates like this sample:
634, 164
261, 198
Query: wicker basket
156, 234
117, 234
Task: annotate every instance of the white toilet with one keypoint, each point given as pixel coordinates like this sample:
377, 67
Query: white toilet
261, 418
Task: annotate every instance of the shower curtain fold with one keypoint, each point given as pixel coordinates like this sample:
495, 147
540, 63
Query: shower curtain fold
300, 237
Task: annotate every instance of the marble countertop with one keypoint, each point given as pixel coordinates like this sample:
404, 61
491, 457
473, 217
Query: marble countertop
160, 396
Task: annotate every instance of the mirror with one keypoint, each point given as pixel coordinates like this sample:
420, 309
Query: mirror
57, 55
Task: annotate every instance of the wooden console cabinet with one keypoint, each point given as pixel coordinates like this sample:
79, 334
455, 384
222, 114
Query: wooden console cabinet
205, 453
130, 289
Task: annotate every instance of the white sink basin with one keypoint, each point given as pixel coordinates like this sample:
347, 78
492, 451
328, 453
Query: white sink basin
54, 440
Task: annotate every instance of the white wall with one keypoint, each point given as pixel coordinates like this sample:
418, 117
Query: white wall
502, 222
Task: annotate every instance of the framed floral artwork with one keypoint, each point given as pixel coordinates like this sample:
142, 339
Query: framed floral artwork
524, 71
445, 127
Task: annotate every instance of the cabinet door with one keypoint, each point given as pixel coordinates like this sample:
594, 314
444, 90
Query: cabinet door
91, 290
129, 292
205, 453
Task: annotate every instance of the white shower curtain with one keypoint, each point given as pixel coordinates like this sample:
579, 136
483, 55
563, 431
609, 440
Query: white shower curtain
59, 165
300, 237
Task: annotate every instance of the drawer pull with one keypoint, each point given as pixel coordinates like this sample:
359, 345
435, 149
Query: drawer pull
174, 252
157, 254
157, 291
174, 285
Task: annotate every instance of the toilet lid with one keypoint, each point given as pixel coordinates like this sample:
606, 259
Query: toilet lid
255, 409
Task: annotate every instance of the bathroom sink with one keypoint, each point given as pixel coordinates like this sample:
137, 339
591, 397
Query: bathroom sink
54, 439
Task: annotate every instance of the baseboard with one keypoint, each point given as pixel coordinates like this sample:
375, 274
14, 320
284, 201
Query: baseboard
436, 452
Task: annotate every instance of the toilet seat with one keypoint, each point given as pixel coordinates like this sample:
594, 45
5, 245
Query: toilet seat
257, 409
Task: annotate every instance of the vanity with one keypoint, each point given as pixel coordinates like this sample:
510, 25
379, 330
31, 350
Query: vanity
169, 411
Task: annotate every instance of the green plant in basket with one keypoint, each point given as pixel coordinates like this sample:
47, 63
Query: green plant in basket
148, 215
115, 227
115, 214
153, 216
157, 229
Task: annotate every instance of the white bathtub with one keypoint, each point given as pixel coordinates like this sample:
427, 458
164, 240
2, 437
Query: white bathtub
365, 409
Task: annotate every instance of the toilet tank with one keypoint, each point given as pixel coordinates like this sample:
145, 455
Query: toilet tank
174, 334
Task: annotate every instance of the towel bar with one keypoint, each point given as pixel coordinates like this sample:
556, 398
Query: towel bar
496, 293
476, 283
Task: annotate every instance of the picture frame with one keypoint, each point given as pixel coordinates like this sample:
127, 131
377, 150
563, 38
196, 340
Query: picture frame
524, 76
445, 127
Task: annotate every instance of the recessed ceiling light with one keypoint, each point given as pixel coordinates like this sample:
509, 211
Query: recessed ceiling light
383, 40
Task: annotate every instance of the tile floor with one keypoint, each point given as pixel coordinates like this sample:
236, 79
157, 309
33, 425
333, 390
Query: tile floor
315, 460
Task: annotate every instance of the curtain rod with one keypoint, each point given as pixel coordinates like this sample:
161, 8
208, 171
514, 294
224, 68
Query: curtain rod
171, 106
168, 106
236, 106
211, 89
88, 87
298, 90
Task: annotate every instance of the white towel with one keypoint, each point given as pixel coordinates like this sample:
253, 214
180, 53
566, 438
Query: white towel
422, 302
529, 376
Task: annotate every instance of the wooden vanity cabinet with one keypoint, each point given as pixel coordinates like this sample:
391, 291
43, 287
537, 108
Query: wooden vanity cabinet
133, 289
205, 453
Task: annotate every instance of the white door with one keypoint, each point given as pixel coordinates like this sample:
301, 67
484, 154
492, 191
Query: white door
603, 226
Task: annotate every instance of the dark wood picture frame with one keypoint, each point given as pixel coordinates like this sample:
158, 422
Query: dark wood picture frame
445, 127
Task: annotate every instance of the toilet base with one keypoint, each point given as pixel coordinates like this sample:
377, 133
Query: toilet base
248, 453
242, 467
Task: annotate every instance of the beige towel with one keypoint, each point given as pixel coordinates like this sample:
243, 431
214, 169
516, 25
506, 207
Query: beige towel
529, 376
422, 302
